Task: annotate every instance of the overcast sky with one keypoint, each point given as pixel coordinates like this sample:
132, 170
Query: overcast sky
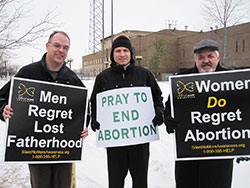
146, 15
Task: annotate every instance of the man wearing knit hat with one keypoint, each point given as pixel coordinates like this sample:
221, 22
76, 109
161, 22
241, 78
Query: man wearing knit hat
123, 73
201, 173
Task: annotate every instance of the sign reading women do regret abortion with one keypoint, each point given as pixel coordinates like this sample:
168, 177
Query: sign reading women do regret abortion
125, 116
212, 110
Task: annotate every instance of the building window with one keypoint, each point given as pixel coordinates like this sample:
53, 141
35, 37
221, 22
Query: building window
236, 46
243, 45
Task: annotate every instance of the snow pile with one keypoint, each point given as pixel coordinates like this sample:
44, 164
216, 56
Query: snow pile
92, 171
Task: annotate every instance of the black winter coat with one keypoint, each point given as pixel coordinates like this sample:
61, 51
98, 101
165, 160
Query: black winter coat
120, 77
39, 71
202, 173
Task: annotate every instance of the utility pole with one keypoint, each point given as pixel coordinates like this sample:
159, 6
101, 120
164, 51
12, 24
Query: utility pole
102, 34
112, 21
96, 25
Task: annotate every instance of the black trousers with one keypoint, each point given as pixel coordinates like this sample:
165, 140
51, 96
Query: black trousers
204, 173
128, 158
50, 175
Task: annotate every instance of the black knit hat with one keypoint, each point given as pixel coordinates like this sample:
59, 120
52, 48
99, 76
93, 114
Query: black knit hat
121, 41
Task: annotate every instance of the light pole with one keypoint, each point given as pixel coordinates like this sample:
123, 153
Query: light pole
5, 67
69, 60
138, 58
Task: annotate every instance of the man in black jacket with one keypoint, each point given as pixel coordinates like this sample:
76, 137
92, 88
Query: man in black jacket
123, 73
50, 68
201, 173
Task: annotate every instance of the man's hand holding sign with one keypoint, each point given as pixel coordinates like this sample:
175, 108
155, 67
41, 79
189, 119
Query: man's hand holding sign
7, 112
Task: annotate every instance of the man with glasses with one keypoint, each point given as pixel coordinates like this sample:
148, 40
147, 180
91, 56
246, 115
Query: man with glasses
51, 68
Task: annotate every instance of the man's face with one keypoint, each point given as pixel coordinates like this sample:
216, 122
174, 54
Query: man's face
206, 60
122, 56
57, 49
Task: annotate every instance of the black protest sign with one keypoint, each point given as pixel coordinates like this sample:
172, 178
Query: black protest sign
212, 110
47, 122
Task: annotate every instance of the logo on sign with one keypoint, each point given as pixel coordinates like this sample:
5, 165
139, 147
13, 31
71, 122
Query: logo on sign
185, 91
25, 94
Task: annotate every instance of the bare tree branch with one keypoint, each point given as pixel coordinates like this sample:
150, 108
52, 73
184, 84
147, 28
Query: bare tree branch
36, 31
225, 13
11, 13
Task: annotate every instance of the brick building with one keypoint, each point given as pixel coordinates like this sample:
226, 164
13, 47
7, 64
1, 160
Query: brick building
178, 45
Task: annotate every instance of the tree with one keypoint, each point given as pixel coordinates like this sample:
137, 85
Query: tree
154, 60
225, 13
12, 38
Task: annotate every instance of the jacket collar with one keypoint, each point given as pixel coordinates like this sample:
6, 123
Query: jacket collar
43, 63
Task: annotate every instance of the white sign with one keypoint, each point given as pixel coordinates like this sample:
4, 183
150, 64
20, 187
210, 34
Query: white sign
125, 116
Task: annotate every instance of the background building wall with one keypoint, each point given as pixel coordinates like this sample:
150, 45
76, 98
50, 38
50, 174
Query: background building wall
179, 47
238, 46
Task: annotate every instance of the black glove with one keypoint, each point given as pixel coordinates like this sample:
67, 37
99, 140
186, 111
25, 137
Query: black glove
171, 124
158, 119
238, 160
95, 125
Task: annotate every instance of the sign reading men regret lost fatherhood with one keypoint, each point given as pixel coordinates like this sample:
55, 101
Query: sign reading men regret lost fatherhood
125, 116
212, 110
47, 122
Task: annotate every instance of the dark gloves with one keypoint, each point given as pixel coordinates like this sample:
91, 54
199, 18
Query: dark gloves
238, 160
95, 125
87, 120
158, 119
171, 124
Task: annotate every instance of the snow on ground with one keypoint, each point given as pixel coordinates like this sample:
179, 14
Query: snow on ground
92, 171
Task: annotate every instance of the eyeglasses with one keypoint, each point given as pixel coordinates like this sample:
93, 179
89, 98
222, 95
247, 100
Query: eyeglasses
59, 46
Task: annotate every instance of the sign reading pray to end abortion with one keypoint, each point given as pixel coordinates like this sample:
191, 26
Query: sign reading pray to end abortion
125, 116
47, 122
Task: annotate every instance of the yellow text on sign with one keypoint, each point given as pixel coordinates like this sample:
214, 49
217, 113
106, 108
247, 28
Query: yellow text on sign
213, 101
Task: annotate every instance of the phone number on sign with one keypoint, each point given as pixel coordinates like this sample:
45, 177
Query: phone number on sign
46, 156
